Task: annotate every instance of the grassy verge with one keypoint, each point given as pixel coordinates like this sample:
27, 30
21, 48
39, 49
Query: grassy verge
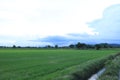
112, 70
91, 68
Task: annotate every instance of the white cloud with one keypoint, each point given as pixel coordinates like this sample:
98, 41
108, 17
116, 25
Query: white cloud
41, 18
109, 25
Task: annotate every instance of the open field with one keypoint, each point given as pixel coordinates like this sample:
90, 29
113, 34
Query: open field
41, 64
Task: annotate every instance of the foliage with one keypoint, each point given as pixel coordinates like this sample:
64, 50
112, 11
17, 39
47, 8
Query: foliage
56, 46
80, 45
72, 46
14, 46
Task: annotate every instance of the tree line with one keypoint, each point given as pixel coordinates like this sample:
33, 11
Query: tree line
89, 46
73, 46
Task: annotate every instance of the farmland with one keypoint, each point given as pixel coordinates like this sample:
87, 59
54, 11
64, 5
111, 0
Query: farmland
45, 64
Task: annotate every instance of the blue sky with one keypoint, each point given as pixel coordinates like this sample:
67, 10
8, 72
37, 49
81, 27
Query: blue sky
43, 22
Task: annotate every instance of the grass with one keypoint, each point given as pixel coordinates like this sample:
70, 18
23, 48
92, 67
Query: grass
44, 64
91, 67
112, 70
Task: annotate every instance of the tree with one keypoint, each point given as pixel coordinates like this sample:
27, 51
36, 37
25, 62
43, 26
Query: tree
19, 46
102, 45
71, 46
105, 45
14, 46
48, 46
56, 46
81, 45
90, 46
97, 46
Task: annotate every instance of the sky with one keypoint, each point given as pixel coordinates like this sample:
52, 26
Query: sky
62, 22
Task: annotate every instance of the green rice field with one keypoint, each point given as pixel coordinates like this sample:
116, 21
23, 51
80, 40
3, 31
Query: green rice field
45, 64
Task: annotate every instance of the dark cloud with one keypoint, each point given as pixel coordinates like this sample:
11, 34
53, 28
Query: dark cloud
63, 41
72, 38
59, 40
109, 25
78, 35
55, 39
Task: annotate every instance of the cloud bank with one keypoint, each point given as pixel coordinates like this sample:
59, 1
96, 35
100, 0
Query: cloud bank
22, 21
109, 25
108, 28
